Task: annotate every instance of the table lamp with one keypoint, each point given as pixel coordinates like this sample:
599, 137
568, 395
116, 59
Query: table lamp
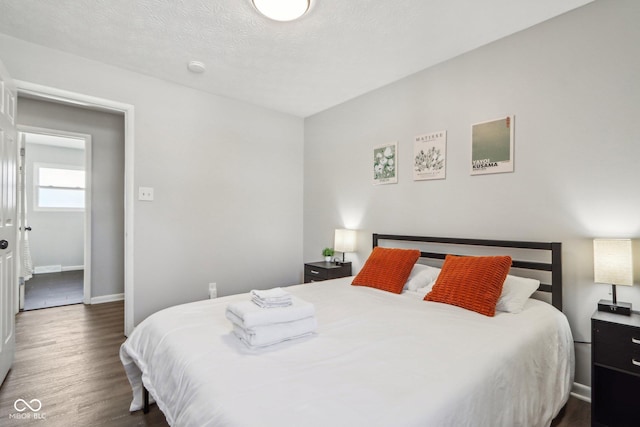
344, 241
613, 264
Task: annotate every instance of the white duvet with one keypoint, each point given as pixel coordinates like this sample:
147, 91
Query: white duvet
377, 359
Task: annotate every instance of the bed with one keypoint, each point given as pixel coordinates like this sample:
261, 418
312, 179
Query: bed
377, 358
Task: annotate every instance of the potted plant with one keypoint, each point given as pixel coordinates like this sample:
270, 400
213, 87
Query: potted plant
327, 253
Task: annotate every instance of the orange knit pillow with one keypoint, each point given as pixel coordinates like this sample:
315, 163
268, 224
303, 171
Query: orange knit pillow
387, 269
473, 283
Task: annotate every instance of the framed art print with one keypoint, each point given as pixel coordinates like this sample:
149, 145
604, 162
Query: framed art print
430, 156
492, 146
385, 165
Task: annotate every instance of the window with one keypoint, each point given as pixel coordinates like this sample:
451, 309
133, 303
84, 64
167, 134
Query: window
59, 187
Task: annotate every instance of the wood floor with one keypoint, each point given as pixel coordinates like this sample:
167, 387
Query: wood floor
575, 413
67, 358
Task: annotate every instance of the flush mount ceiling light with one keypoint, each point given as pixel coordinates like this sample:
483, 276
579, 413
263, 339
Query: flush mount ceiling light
282, 10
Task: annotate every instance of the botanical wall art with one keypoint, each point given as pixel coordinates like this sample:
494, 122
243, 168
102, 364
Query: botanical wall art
430, 153
385, 165
492, 146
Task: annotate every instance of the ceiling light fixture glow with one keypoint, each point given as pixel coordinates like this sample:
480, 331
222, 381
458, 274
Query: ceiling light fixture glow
282, 10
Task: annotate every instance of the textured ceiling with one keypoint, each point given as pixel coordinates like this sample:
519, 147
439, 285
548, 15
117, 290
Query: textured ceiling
340, 49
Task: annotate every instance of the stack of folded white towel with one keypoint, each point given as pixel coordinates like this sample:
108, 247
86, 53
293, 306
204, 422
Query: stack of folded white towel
268, 319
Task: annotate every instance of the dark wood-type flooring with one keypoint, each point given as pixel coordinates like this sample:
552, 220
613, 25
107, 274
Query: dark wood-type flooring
67, 357
576, 413
54, 289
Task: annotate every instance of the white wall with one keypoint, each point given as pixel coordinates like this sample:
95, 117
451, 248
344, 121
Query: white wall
572, 84
57, 237
227, 179
107, 182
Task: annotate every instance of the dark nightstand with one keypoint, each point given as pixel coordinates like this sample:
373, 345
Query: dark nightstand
615, 369
319, 271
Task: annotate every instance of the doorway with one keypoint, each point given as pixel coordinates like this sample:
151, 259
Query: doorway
127, 113
55, 210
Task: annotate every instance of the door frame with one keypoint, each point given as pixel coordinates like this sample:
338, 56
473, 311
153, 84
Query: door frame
22, 129
103, 104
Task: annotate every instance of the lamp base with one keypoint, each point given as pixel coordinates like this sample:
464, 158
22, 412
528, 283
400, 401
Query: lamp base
623, 308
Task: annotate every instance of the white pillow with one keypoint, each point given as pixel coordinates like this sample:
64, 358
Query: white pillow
515, 293
421, 275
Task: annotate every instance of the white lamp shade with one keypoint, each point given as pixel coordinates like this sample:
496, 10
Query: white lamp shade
613, 261
282, 10
345, 240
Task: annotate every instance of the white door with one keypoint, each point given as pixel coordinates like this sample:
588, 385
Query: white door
8, 234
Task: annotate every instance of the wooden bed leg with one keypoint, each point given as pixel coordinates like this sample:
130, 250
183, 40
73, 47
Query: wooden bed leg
145, 396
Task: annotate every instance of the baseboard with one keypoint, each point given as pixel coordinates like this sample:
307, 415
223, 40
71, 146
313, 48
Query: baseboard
47, 269
582, 392
41, 269
107, 298
73, 268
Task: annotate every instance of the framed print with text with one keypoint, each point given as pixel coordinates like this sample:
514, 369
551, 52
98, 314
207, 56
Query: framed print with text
385, 165
430, 156
492, 146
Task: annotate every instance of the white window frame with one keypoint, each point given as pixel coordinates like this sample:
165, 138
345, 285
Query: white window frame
36, 187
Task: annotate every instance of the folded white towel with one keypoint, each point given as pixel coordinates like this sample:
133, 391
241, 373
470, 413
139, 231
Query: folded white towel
248, 315
276, 297
275, 294
262, 336
270, 304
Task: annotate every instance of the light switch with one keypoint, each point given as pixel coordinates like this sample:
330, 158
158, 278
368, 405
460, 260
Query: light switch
145, 193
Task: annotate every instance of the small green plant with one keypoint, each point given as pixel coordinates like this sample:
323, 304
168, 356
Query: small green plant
327, 252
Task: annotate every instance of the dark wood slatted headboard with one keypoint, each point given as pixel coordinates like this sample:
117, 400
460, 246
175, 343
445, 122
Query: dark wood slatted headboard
553, 248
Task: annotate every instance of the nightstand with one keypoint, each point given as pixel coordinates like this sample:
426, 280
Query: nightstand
319, 271
615, 369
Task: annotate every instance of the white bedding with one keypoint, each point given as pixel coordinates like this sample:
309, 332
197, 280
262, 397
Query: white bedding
377, 359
